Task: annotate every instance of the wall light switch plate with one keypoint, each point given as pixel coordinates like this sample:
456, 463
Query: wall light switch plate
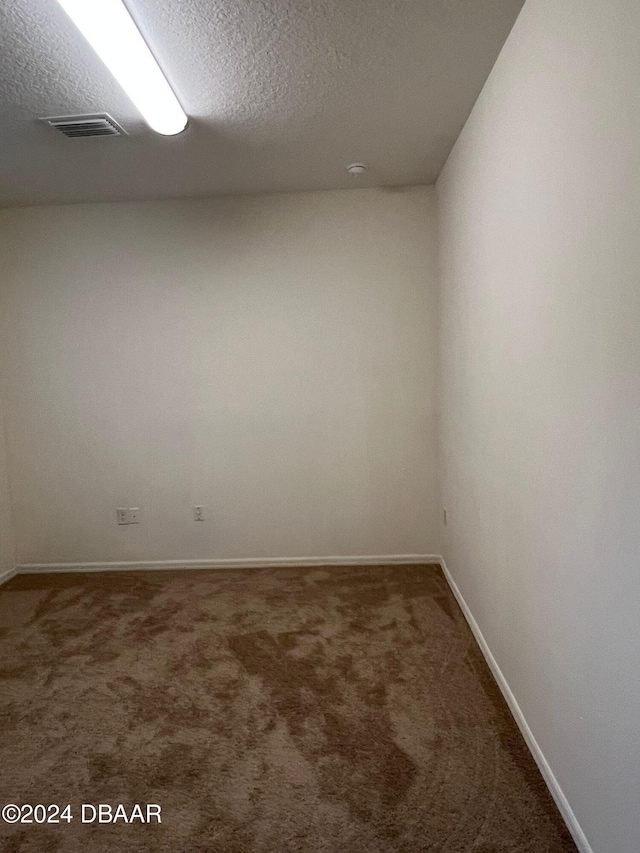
134, 515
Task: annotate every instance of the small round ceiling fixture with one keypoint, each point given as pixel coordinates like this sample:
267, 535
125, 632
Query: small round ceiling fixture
356, 169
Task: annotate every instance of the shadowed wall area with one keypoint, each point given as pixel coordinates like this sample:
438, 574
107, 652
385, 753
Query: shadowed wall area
338, 709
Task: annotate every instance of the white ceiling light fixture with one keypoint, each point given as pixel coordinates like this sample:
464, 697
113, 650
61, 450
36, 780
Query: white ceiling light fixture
112, 33
356, 169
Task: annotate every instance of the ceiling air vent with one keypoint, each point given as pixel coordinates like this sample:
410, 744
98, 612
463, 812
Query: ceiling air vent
93, 125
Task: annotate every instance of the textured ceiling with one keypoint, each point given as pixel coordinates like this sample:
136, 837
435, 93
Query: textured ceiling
281, 95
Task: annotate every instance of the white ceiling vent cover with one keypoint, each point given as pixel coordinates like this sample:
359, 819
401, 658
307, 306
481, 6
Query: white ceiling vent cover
81, 126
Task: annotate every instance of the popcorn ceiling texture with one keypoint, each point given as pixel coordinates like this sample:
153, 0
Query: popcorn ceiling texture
344, 710
281, 94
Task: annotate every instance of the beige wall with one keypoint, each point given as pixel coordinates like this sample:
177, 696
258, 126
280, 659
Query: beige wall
7, 545
540, 385
269, 357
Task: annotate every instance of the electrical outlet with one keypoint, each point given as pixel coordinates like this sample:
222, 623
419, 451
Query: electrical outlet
198, 513
128, 515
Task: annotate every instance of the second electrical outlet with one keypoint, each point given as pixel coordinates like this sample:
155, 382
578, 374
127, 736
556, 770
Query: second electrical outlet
198, 513
128, 514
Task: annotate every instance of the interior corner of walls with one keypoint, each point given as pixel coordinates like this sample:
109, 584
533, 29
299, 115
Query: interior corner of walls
7, 574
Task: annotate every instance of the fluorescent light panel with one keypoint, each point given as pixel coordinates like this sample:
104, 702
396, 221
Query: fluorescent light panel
112, 33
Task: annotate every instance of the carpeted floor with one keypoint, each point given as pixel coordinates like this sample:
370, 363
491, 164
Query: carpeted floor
266, 711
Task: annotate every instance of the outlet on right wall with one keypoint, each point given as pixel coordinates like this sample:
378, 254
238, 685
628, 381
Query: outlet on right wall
540, 378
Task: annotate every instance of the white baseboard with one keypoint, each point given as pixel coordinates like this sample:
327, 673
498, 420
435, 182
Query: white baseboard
7, 574
250, 563
547, 773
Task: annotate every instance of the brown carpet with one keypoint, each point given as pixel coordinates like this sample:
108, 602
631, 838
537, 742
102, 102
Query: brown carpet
311, 710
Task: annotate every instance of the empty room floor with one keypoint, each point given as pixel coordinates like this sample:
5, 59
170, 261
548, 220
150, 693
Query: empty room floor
332, 709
